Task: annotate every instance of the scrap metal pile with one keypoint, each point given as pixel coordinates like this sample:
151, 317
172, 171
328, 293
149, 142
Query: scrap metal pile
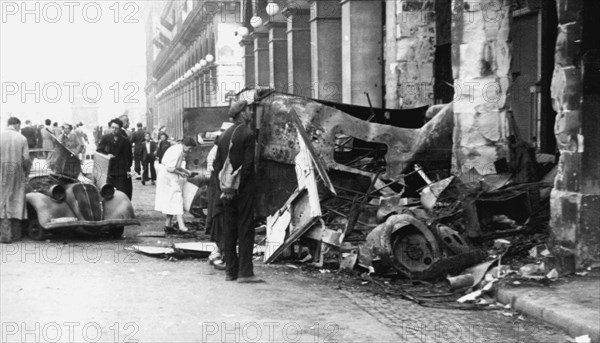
381, 196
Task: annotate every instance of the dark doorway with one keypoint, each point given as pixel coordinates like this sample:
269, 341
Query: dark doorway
533, 35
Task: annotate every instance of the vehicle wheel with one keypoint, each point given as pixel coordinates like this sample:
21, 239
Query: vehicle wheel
116, 232
34, 230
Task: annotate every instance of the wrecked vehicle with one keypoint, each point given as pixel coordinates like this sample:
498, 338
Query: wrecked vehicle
358, 184
61, 198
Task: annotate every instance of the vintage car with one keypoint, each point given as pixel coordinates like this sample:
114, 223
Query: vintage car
63, 197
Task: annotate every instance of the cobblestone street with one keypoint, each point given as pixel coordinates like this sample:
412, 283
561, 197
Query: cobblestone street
75, 290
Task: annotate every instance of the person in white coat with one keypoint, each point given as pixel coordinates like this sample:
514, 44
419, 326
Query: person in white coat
169, 183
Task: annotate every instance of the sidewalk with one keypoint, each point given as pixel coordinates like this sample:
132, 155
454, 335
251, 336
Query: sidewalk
572, 304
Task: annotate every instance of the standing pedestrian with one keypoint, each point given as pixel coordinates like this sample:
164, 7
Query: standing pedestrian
30, 132
83, 138
148, 148
71, 140
124, 118
57, 130
237, 144
169, 187
47, 133
14, 169
137, 140
214, 211
118, 148
163, 145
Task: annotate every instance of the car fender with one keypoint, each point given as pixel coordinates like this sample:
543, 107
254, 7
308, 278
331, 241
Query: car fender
47, 208
118, 207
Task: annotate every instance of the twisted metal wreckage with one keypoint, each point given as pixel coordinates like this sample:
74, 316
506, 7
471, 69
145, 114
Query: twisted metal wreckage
365, 202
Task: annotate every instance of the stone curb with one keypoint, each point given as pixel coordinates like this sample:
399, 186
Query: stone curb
575, 319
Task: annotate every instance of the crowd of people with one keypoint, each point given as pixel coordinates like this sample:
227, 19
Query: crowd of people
230, 205
39, 137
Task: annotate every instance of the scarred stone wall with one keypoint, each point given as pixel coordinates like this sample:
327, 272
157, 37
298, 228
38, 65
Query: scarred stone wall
410, 53
481, 57
575, 199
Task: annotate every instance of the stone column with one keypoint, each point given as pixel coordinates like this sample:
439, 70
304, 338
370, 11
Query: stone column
326, 49
207, 86
278, 55
261, 57
362, 49
481, 64
412, 66
213, 86
298, 44
248, 62
575, 199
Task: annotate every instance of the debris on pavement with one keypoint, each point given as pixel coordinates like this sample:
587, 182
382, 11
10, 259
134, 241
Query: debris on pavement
178, 250
152, 251
581, 339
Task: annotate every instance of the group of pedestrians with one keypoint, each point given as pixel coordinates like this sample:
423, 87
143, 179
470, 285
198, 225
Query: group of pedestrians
41, 136
230, 209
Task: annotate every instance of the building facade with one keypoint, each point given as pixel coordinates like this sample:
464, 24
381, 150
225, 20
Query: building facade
196, 60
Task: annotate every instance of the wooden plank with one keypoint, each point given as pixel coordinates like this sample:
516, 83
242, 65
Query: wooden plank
300, 222
276, 232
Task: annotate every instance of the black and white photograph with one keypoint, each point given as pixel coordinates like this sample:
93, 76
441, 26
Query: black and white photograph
316, 171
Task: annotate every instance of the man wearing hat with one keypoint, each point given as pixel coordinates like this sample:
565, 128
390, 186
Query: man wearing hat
118, 148
238, 204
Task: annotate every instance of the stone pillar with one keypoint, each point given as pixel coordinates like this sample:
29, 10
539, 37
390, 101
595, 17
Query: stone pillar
207, 86
213, 87
298, 44
390, 55
248, 62
362, 49
326, 49
481, 64
278, 55
575, 199
261, 58
413, 65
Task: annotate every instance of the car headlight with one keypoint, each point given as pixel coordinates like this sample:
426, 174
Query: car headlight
107, 192
56, 192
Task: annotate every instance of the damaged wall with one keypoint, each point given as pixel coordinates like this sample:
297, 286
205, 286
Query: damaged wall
481, 57
575, 199
410, 53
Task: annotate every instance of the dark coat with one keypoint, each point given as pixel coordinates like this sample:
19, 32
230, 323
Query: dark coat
137, 138
31, 133
162, 148
121, 148
144, 153
241, 154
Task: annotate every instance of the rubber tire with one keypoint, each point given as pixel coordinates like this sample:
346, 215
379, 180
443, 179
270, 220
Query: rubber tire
116, 232
34, 230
